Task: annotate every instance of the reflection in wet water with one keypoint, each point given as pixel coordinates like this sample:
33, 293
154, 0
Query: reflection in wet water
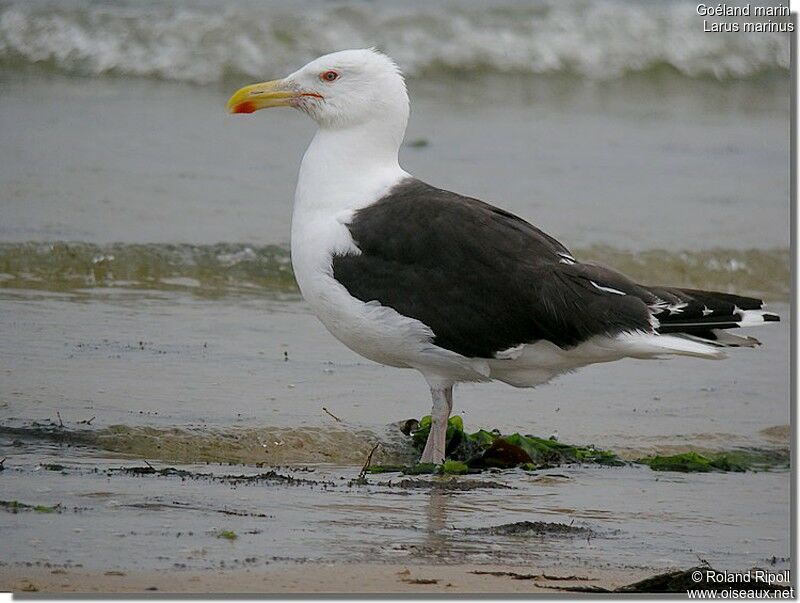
436, 540
627, 516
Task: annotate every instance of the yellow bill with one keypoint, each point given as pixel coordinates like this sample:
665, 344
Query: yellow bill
276, 93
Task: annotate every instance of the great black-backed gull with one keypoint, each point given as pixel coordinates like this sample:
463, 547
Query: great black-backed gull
413, 276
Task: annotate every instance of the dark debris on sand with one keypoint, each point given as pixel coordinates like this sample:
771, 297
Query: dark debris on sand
518, 576
534, 528
681, 581
267, 476
446, 485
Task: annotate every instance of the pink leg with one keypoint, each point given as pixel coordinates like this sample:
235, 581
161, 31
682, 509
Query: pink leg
440, 413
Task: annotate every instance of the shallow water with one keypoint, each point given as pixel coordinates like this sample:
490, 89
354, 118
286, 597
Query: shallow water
171, 378
626, 517
148, 311
638, 166
165, 360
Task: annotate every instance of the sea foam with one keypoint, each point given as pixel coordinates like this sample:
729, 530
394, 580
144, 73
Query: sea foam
207, 41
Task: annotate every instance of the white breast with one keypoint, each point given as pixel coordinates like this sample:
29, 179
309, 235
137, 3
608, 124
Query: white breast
328, 192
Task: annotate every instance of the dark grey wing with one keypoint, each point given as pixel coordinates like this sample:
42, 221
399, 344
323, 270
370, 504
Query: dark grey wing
481, 278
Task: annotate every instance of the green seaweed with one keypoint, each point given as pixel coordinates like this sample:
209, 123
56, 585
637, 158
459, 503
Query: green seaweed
733, 460
451, 467
729, 461
455, 427
484, 449
490, 449
228, 535
53, 467
752, 459
483, 437
687, 462
387, 468
45, 509
14, 506
552, 452
420, 469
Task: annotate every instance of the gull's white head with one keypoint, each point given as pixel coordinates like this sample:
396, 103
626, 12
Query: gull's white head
338, 90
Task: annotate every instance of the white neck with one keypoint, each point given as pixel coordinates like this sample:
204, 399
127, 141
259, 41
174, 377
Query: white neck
343, 170
347, 168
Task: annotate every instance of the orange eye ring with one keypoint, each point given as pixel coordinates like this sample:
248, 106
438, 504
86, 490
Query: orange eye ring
328, 76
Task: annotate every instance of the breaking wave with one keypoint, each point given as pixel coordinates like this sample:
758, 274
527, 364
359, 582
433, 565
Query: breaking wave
210, 40
220, 268
272, 446
240, 269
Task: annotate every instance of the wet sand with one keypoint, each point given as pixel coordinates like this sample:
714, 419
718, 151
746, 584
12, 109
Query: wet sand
324, 578
78, 511
231, 396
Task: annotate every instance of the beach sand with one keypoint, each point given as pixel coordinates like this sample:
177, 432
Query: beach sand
327, 578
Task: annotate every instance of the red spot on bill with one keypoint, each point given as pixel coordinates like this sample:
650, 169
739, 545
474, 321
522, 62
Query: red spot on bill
245, 107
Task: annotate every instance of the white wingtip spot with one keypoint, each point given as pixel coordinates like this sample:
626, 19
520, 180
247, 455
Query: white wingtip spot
750, 318
677, 308
658, 306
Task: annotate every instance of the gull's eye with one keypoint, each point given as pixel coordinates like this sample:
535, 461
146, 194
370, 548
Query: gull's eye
328, 76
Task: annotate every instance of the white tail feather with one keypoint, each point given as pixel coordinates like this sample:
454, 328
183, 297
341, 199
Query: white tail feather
725, 339
647, 345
